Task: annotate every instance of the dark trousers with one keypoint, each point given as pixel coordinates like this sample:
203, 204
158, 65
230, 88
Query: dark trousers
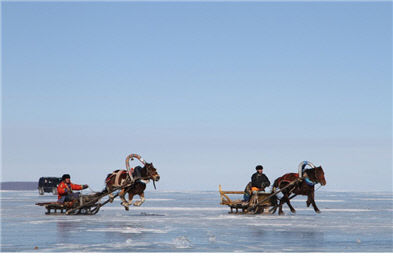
246, 197
69, 197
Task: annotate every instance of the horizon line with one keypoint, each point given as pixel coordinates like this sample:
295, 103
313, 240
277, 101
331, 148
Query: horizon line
204, 1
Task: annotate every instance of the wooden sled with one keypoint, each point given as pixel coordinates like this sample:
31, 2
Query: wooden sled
260, 202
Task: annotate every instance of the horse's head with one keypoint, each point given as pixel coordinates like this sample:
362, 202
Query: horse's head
320, 175
151, 172
316, 175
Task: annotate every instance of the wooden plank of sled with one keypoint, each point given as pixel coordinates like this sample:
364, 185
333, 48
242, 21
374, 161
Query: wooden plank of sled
232, 192
47, 203
225, 200
228, 192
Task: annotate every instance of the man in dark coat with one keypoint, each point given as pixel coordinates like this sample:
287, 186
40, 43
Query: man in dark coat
259, 181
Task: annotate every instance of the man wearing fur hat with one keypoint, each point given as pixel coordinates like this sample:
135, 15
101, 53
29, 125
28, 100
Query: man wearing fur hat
65, 189
259, 181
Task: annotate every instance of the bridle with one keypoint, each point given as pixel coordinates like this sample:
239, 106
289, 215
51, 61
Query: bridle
150, 176
130, 171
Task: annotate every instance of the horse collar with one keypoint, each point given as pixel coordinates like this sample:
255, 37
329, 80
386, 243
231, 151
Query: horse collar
130, 172
309, 182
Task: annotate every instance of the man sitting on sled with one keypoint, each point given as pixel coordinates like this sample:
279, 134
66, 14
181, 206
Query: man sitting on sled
65, 189
259, 182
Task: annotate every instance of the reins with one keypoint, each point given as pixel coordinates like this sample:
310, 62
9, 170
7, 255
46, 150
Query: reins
320, 185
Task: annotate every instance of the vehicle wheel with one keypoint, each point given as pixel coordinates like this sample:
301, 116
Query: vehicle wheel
54, 191
41, 191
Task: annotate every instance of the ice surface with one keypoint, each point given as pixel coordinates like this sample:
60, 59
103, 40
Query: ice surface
194, 221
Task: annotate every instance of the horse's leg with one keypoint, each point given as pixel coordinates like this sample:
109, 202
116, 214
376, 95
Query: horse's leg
123, 200
130, 197
273, 209
311, 199
289, 205
308, 201
280, 211
283, 199
142, 199
110, 195
274, 203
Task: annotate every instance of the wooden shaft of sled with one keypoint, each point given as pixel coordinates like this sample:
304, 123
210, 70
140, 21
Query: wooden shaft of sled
278, 191
292, 196
94, 201
108, 200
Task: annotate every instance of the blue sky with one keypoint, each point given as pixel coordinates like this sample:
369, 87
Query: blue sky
205, 91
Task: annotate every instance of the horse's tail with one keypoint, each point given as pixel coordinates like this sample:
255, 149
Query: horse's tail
108, 177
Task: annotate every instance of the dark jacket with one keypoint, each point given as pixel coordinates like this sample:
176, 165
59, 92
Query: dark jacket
260, 180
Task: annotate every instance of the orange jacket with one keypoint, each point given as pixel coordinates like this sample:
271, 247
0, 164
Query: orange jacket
63, 188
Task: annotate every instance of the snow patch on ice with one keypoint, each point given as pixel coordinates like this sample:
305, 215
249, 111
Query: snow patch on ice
348, 210
128, 230
319, 200
375, 199
182, 242
192, 209
53, 221
160, 199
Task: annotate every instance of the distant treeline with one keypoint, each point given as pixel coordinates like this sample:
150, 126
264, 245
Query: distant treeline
19, 185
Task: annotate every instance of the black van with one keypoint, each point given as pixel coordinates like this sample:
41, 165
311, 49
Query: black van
48, 185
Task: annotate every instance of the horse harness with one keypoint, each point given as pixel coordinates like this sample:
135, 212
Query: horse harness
305, 178
117, 175
133, 173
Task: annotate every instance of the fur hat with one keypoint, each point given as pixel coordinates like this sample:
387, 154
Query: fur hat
259, 167
65, 176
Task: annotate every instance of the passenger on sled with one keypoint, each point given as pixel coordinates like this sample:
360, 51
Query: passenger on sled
65, 189
259, 181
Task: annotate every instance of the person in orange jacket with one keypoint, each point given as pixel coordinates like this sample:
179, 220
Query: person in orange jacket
65, 189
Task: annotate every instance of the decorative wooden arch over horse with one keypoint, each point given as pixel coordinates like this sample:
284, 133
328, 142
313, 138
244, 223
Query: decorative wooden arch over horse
301, 183
302, 166
133, 181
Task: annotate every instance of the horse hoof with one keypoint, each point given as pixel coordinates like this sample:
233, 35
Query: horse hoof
318, 211
281, 213
126, 206
293, 211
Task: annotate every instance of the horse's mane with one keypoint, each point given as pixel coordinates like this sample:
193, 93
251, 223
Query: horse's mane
311, 172
138, 172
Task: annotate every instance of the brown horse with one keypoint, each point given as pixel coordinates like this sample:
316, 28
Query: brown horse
305, 186
136, 178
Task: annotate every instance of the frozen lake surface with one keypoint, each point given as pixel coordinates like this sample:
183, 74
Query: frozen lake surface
196, 222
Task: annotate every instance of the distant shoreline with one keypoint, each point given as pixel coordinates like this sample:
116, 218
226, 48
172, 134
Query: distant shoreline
19, 185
